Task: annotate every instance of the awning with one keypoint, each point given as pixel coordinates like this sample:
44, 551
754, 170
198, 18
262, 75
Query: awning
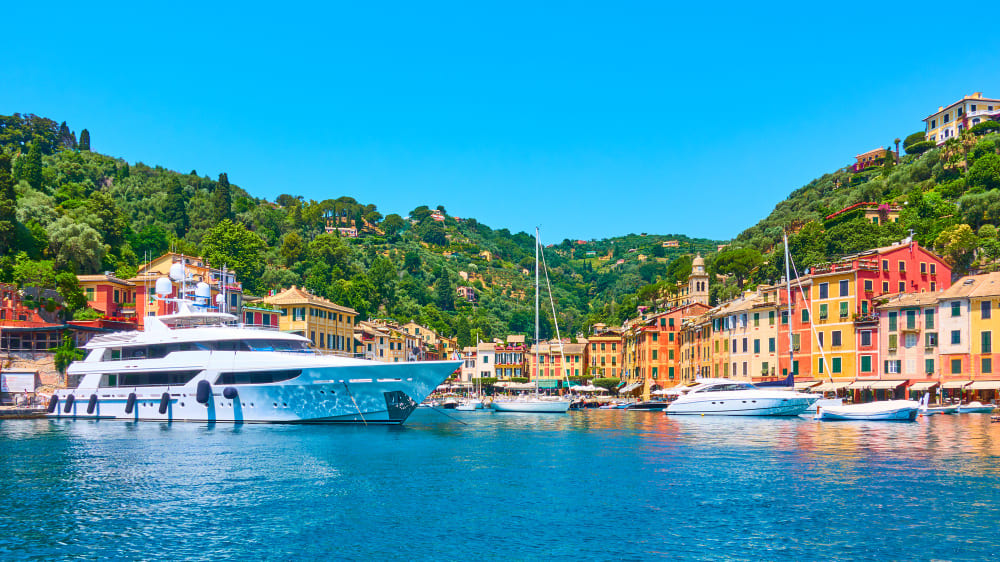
985, 385
806, 384
886, 385
923, 385
860, 385
630, 387
831, 387
548, 383
951, 385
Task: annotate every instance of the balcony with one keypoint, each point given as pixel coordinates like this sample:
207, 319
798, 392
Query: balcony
861, 319
910, 328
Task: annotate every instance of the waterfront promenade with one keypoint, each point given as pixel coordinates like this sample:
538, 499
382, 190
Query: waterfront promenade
586, 485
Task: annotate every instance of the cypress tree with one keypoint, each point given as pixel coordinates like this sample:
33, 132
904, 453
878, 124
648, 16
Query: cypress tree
175, 211
84, 140
223, 199
66, 138
30, 168
8, 206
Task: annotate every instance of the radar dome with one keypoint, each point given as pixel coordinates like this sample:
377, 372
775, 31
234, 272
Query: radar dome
177, 272
203, 291
164, 287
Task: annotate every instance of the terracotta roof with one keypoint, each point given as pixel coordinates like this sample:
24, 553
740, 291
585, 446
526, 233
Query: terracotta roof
899, 300
985, 285
296, 295
104, 277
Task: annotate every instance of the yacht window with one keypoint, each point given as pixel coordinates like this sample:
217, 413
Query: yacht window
160, 378
256, 377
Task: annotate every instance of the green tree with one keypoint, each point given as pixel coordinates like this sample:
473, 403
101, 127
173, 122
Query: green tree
910, 140
958, 244
392, 224
175, 209
292, 248
738, 262
30, 166
32, 273
8, 207
433, 232
385, 278
66, 138
151, 241
66, 353
985, 173
222, 199
445, 291
69, 287
231, 245
76, 245
85, 140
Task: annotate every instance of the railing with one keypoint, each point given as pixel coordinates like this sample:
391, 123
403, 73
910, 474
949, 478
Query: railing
865, 318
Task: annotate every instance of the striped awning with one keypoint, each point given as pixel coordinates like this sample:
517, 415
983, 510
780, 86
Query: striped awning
630, 387
923, 385
860, 385
951, 385
806, 384
831, 386
886, 385
985, 385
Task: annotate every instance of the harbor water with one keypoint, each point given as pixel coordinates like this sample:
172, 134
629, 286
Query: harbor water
584, 485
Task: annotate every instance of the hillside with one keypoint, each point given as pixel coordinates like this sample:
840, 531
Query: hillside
65, 209
949, 196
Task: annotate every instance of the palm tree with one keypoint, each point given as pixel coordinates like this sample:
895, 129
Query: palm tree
896, 142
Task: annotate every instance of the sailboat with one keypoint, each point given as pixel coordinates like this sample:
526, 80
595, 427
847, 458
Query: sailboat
536, 403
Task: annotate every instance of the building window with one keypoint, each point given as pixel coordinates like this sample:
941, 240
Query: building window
868, 285
930, 339
987, 341
885, 265
820, 337
866, 338
796, 343
956, 366
866, 363
956, 309
902, 286
770, 345
784, 317
902, 266
987, 365
956, 337
929, 318
885, 286
835, 364
824, 290
756, 346
822, 312
835, 338
770, 318
843, 309
845, 288
805, 314
933, 269
756, 319
892, 321
984, 308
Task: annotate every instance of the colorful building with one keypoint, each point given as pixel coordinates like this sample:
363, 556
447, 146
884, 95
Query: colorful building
556, 361
651, 348
604, 351
510, 360
328, 325
948, 122
109, 295
871, 158
197, 270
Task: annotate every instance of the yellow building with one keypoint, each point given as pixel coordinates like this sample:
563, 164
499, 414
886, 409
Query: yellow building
329, 325
833, 300
948, 122
984, 320
604, 354
551, 367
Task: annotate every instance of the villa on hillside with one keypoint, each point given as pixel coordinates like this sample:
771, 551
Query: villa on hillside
950, 121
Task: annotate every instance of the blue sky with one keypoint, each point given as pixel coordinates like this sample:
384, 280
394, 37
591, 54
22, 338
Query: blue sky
587, 119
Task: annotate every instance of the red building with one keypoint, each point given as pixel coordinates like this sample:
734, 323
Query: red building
109, 295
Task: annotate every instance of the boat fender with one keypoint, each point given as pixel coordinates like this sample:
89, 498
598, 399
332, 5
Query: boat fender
53, 402
92, 404
130, 403
69, 403
230, 393
164, 402
204, 393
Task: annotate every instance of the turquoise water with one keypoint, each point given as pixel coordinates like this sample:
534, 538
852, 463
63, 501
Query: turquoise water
591, 485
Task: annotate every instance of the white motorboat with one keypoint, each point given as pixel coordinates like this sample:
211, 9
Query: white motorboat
196, 365
533, 405
726, 397
975, 408
927, 410
887, 410
824, 403
470, 405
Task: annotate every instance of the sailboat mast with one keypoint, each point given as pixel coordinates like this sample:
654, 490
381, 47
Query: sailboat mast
788, 288
538, 369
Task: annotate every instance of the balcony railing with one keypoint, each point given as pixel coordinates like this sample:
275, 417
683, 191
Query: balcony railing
865, 318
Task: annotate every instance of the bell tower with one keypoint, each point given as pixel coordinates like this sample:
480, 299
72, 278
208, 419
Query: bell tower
698, 281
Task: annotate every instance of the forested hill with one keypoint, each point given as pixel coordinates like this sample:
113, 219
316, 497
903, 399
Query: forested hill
65, 209
949, 196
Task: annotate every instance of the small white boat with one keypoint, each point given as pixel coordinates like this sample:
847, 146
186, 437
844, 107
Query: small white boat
470, 405
928, 410
725, 397
450, 404
532, 405
823, 403
975, 408
888, 410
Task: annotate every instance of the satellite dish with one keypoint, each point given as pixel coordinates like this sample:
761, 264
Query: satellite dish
177, 272
164, 287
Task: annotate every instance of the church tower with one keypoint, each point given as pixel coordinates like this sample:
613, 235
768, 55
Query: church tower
698, 281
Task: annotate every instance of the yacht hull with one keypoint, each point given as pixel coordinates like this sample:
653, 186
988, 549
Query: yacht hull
532, 406
718, 406
893, 410
377, 393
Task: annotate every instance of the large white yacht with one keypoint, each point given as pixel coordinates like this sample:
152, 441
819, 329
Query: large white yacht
197, 365
725, 397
